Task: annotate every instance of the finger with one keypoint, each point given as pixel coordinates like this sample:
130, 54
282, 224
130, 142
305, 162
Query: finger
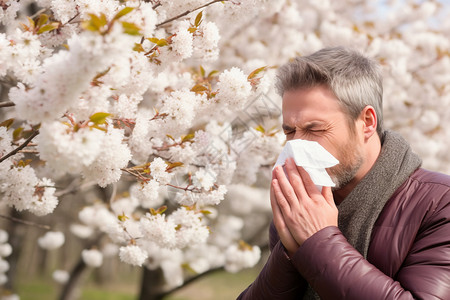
284, 188
328, 195
283, 231
278, 218
295, 179
291, 169
309, 186
282, 203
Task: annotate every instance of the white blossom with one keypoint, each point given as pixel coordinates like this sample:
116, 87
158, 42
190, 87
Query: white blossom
147, 194
113, 156
3, 278
61, 276
125, 205
204, 179
173, 273
4, 266
190, 228
233, 88
81, 231
237, 258
51, 240
92, 258
97, 216
159, 230
158, 171
66, 150
110, 250
5, 250
3, 236
132, 255
180, 108
182, 43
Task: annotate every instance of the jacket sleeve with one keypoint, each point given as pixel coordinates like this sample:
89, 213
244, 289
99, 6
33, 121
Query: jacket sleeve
336, 270
278, 279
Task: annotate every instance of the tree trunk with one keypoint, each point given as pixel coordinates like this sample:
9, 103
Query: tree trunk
75, 276
152, 281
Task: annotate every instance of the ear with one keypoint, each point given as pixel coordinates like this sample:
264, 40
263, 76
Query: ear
369, 120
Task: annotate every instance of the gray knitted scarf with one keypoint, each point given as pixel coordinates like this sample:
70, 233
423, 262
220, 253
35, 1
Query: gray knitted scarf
361, 208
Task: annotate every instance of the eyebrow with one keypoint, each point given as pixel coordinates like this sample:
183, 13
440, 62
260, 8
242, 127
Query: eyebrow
287, 128
310, 125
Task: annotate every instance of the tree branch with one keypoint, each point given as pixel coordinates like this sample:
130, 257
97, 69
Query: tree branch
39, 12
189, 11
74, 187
26, 222
24, 144
156, 5
6, 104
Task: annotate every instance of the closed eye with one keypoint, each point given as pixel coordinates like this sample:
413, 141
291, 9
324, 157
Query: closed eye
289, 132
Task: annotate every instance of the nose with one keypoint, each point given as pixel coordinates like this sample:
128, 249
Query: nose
297, 135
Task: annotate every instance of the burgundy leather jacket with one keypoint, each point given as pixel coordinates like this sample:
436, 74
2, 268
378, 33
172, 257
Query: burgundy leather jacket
408, 256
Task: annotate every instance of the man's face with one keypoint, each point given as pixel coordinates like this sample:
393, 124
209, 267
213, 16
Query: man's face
314, 114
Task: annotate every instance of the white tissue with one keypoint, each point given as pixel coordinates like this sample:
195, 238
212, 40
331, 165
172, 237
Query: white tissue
312, 157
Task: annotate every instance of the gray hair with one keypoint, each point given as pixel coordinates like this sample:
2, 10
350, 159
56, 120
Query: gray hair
353, 78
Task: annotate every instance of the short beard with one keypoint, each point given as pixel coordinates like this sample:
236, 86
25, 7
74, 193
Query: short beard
350, 161
344, 174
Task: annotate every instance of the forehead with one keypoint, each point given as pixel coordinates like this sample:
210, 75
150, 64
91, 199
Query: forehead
316, 103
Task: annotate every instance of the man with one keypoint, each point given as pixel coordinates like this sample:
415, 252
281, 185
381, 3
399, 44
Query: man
389, 236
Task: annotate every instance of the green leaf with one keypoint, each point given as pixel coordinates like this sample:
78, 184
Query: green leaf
99, 118
122, 217
213, 73
171, 165
198, 19
103, 20
100, 75
244, 246
48, 27
32, 24
256, 72
199, 88
202, 71
99, 21
153, 40
123, 12
162, 43
192, 29
17, 133
138, 47
7, 123
131, 28
187, 137
87, 25
158, 42
43, 19
94, 23
188, 268
158, 211
24, 163
170, 137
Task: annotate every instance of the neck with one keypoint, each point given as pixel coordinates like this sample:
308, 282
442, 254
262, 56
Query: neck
372, 149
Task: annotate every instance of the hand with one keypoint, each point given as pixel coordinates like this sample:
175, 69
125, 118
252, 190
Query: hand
300, 207
285, 235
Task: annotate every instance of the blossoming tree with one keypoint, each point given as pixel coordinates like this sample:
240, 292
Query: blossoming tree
170, 105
